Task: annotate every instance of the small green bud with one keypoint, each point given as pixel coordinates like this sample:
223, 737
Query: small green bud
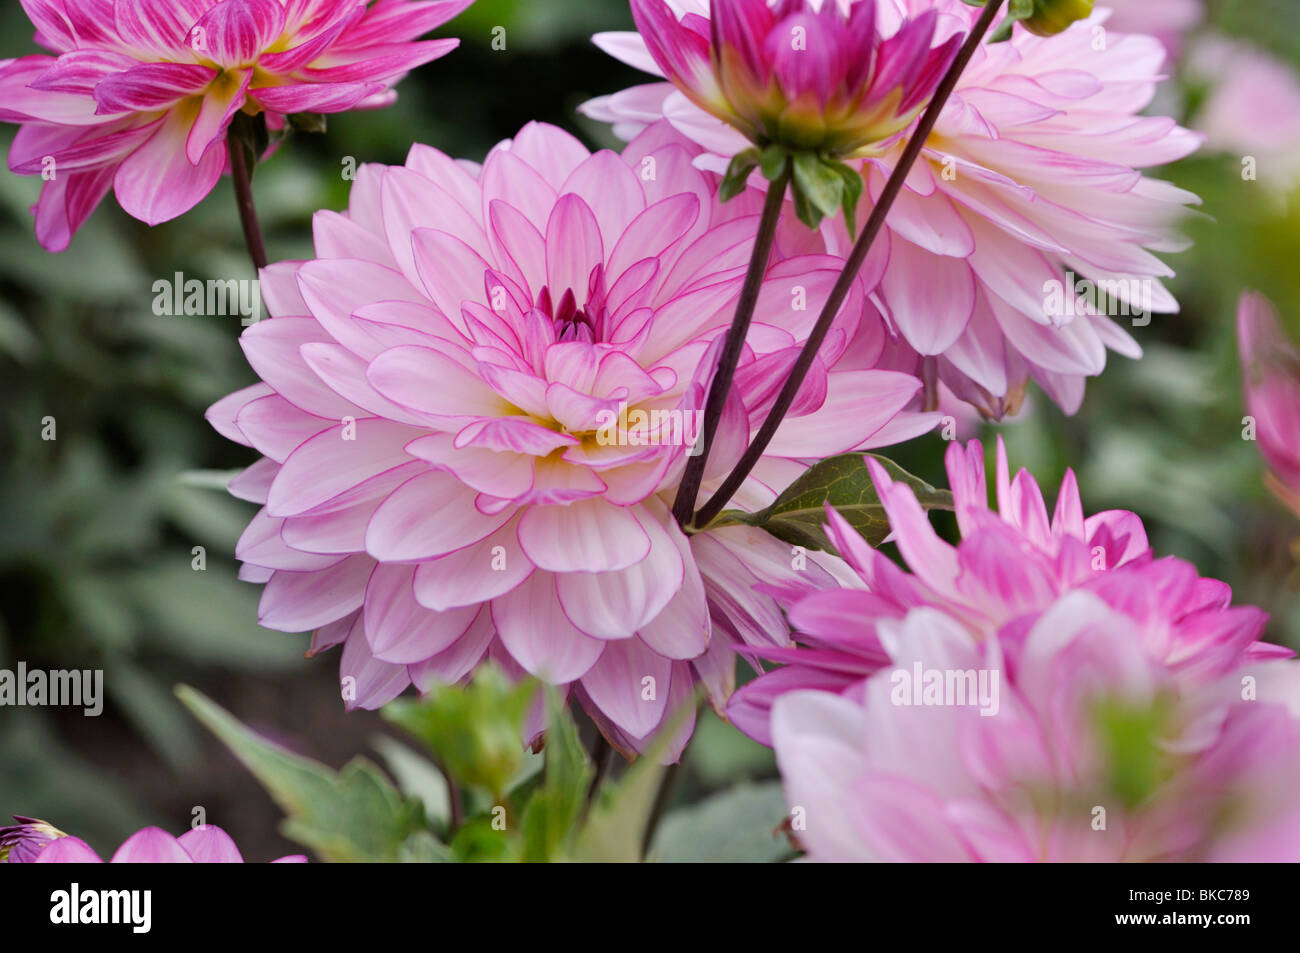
1052, 16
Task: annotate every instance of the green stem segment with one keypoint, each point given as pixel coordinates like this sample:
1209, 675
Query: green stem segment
870, 231
243, 179
688, 490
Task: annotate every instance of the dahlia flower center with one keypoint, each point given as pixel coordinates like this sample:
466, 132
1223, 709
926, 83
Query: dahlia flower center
572, 323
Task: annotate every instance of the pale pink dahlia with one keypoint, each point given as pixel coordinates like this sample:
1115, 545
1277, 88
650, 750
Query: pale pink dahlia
140, 93
804, 74
1271, 374
477, 402
1029, 185
1010, 567
1251, 111
1066, 738
36, 842
1169, 21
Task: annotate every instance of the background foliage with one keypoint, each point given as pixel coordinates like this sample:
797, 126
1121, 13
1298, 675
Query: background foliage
97, 527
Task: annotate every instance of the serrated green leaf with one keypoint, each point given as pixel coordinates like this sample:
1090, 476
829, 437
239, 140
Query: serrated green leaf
844, 482
473, 730
354, 815
738, 825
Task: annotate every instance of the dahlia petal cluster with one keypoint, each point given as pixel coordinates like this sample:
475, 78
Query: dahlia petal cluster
21, 843
1030, 185
805, 74
139, 94
1010, 567
1087, 748
475, 405
33, 841
1271, 374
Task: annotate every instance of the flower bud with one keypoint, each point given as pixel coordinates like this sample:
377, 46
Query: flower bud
1052, 16
21, 842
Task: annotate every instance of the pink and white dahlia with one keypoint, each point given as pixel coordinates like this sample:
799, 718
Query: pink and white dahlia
1030, 180
477, 401
1010, 567
140, 93
803, 74
33, 841
1271, 374
1066, 736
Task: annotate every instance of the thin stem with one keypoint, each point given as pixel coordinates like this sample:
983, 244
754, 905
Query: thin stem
688, 490
870, 231
454, 802
243, 180
600, 754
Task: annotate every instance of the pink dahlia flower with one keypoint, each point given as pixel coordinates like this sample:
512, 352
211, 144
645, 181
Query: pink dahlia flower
1066, 737
1252, 109
20, 843
475, 406
140, 93
1009, 568
804, 74
1271, 373
1030, 181
36, 842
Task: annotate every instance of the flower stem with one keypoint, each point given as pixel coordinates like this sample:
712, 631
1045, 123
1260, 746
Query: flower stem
688, 490
243, 180
835, 301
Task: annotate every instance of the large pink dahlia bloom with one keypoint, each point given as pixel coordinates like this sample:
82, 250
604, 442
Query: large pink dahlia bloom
1030, 180
140, 93
1010, 566
34, 841
804, 74
1066, 738
1271, 375
476, 404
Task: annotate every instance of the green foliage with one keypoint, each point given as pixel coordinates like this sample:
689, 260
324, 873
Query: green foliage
355, 814
473, 731
739, 825
799, 513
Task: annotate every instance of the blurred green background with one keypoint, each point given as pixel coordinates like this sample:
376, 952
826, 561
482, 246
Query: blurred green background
97, 527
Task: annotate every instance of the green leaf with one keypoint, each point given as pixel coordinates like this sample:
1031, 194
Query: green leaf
852, 180
738, 171
417, 776
818, 188
474, 730
354, 815
772, 162
845, 483
615, 829
1017, 10
554, 809
737, 826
